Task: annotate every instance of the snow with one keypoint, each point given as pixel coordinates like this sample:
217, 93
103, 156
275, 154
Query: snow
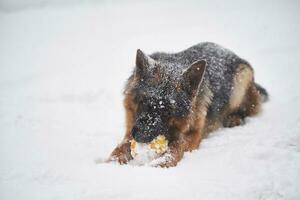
145, 154
142, 154
172, 101
62, 72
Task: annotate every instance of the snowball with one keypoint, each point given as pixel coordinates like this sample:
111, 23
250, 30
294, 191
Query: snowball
145, 152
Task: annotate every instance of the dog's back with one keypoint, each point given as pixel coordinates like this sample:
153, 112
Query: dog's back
222, 67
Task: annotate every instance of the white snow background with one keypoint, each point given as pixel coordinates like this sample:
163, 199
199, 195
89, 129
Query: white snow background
62, 72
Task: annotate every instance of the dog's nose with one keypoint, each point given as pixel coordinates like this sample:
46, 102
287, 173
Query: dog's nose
141, 136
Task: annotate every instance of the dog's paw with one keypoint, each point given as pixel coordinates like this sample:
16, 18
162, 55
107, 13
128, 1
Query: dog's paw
119, 158
165, 161
233, 120
121, 154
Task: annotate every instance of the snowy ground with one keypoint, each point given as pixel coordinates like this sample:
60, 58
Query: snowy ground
62, 70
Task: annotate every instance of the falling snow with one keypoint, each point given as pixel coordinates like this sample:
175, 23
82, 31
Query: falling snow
62, 70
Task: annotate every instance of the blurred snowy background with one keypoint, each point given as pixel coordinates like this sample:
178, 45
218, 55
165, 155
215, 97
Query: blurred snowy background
63, 65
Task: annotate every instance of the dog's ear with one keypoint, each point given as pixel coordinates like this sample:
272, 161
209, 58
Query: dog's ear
193, 76
143, 62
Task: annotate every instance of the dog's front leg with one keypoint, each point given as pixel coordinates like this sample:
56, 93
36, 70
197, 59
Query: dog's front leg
173, 155
121, 153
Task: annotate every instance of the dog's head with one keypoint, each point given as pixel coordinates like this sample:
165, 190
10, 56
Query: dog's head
162, 94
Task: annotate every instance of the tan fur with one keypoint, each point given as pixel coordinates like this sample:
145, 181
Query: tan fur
195, 134
252, 102
130, 110
241, 82
211, 125
204, 99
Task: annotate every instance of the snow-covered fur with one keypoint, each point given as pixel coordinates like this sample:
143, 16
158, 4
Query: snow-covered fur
186, 95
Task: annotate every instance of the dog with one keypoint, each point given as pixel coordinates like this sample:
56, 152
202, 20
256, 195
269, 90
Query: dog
185, 96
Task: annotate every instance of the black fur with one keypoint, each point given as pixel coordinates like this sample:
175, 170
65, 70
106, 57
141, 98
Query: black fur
159, 99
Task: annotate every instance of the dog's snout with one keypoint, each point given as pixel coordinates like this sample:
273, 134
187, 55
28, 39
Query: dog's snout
141, 136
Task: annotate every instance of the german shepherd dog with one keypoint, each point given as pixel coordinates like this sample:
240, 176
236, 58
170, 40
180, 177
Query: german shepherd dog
186, 95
